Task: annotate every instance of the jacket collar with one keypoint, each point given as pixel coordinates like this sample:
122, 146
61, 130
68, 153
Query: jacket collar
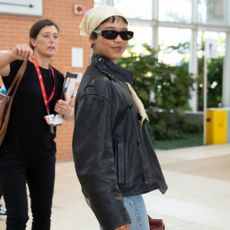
113, 69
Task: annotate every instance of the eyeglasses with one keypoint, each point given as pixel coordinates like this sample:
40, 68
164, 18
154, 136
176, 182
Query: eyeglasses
112, 34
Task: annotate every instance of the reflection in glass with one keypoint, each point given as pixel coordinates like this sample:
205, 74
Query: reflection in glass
175, 11
211, 12
173, 37
135, 9
100, 2
204, 35
138, 39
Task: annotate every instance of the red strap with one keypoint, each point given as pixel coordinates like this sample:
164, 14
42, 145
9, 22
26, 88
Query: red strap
42, 86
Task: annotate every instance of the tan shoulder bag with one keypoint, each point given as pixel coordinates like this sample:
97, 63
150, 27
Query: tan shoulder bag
6, 101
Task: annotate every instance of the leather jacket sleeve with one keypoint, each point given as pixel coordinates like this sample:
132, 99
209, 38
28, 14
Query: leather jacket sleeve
94, 160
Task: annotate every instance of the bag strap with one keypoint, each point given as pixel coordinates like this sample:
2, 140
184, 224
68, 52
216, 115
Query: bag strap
15, 83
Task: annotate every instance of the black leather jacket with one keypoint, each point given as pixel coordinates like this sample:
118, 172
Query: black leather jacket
112, 151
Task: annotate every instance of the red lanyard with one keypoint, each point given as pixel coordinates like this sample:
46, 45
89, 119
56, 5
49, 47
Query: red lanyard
42, 86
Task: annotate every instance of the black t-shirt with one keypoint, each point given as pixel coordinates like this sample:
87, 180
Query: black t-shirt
28, 134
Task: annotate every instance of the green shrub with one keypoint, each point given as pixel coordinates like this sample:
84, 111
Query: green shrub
214, 84
164, 90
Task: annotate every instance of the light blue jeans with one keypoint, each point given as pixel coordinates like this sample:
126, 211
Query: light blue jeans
135, 206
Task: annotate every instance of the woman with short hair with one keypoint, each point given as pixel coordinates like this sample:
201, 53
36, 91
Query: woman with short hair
113, 155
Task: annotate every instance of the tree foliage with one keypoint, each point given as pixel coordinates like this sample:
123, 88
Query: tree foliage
164, 90
214, 83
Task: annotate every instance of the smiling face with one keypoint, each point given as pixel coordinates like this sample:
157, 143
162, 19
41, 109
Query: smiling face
111, 49
46, 42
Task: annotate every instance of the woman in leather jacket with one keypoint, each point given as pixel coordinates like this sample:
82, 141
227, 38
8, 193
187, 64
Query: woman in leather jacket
114, 158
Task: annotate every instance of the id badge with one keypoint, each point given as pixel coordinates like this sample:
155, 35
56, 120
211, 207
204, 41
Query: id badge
58, 120
50, 119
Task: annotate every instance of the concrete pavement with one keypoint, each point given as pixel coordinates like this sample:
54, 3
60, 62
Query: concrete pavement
197, 198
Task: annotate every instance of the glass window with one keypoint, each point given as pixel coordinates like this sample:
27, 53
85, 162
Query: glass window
174, 48
100, 2
175, 10
211, 12
135, 9
215, 68
138, 39
210, 35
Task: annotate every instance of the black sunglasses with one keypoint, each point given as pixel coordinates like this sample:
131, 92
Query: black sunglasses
112, 34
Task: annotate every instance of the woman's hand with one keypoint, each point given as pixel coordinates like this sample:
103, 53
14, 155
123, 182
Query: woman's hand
124, 227
19, 52
64, 108
22, 52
